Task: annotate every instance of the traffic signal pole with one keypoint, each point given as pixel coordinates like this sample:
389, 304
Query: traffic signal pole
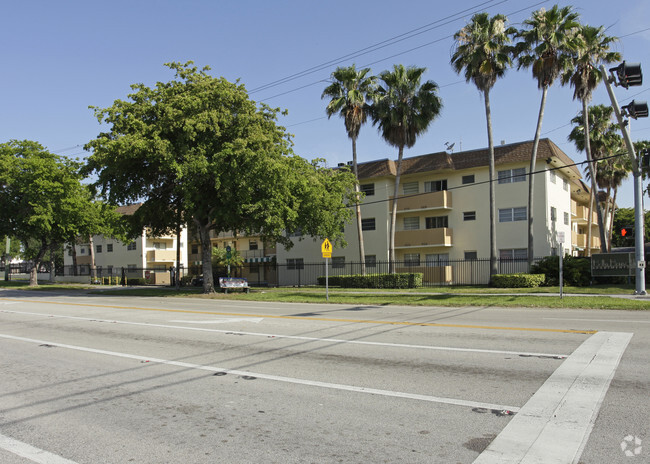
639, 236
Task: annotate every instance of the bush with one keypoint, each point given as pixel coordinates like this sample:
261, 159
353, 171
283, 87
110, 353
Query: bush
404, 280
576, 271
186, 281
518, 280
135, 281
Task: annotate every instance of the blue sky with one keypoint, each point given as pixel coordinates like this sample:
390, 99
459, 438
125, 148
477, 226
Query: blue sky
61, 57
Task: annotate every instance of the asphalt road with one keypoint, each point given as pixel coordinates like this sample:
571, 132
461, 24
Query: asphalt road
94, 379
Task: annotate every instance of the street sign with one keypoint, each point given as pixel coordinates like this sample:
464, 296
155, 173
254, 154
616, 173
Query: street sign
326, 249
561, 237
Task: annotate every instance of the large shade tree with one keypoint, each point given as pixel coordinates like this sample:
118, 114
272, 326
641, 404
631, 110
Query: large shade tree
403, 109
547, 46
222, 159
483, 54
592, 50
349, 96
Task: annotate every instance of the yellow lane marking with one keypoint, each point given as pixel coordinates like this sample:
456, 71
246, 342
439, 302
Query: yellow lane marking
323, 319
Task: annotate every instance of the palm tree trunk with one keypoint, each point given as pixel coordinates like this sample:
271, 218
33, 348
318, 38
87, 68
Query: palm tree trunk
592, 172
393, 216
531, 179
591, 213
93, 267
362, 252
493, 230
611, 219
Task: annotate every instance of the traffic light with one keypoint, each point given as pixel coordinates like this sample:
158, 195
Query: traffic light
627, 232
629, 74
636, 109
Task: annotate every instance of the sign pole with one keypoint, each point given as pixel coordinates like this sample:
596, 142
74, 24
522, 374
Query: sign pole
561, 276
326, 250
327, 289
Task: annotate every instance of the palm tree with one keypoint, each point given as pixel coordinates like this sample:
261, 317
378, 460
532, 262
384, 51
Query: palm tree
603, 140
594, 48
483, 52
402, 110
349, 94
547, 47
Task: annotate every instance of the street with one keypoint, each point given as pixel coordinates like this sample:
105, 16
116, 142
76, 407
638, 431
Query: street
111, 379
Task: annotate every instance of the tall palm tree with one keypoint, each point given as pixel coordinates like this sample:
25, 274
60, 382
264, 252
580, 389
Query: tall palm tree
602, 141
403, 109
349, 94
547, 46
483, 53
593, 49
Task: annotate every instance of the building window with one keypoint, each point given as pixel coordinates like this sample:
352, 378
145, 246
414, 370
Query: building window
98, 248
468, 179
296, 263
566, 218
82, 251
565, 184
338, 262
434, 260
368, 224
368, 189
371, 260
195, 249
131, 246
411, 188
131, 267
109, 269
512, 214
109, 248
471, 255
469, 216
159, 245
297, 233
553, 214
252, 245
412, 223
518, 254
437, 222
435, 185
509, 176
411, 259
553, 177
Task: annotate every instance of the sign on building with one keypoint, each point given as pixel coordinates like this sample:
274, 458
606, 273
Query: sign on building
613, 265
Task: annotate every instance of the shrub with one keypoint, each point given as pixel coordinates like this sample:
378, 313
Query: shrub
518, 280
135, 281
404, 280
576, 271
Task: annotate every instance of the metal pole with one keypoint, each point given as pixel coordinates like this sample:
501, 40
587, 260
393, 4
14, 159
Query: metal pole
327, 288
639, 236
561, 268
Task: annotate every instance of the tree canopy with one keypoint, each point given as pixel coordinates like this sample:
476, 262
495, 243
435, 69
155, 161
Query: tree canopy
199, 143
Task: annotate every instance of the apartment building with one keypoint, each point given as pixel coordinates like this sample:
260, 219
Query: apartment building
443, 210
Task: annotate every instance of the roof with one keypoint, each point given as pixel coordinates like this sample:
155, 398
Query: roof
128, 210
503, 154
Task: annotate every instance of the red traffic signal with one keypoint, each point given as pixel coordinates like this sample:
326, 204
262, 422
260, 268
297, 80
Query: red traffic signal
629, 74
627, 232
636, 109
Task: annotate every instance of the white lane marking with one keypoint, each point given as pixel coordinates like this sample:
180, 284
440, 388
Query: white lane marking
555, 424
298, 337
30, 452
622, 321
277, 378
225, 320
9, 302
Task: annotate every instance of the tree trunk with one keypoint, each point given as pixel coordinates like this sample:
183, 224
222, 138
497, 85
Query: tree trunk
493, 230
206, 255
611, 219
52, 269
592, 172
74, 257
393, 216
33, 274
591, 213
177, 274
93, 268
531, 180
362, 252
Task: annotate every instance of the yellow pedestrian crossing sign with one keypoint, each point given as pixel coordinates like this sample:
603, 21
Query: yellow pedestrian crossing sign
326, 248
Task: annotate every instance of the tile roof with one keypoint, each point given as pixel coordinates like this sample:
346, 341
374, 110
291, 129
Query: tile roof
128, 210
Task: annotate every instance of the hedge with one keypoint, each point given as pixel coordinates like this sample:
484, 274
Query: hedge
403, 280
518, 280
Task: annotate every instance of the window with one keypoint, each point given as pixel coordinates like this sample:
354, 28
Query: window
512, 214
468, 179
131, 246
195, 249
296, 263
553, 214
109, 248
98, 248
565, 184
368, 224
109, 269
131, 267
368, 189
509, 176
254, 268
252, 245
553, 177
338, 262
411, 259
411, 223
469, 216
371, 260
437, 222
566, 218
159, 245
434, 260
520, 254
471, 255
82, 251
411, 188
297, 233
435, 185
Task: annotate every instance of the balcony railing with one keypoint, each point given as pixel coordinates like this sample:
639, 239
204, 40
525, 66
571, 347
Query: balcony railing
423, 238
425, 201
157, 256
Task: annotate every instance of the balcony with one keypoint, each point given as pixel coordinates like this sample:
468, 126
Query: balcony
158, 256
425, 201
423, 238
581, 213
580, 240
